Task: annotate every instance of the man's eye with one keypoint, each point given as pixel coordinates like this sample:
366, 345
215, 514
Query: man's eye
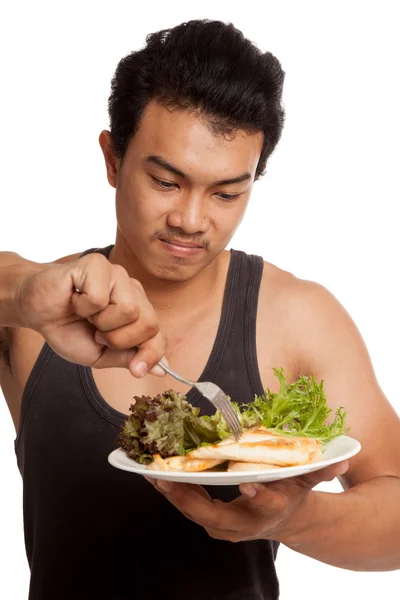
165, 185
228, 197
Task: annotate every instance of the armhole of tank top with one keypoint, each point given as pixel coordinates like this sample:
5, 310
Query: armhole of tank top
40, 365
33, 379
104, 251
250, 324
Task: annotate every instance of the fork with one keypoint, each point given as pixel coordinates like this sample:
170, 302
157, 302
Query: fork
216, 396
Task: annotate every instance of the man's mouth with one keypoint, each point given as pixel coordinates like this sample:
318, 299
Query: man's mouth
180, 247
183, 244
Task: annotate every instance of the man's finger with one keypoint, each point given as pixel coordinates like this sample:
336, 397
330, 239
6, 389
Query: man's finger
148, 355
230, 536
114, 317
130, 335
91, 276
211, 514
115, 358
274, 499
159, 371
263, 498
167, 487
327, 474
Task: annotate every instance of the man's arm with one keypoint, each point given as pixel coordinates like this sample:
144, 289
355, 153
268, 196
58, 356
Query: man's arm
101, 325
360, 528
13, 270
357, 530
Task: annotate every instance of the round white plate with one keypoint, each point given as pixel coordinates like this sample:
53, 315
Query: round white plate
338, 449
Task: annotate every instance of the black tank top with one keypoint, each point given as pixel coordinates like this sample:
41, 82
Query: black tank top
95, 532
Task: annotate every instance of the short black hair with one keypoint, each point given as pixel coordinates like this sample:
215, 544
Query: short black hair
200, 65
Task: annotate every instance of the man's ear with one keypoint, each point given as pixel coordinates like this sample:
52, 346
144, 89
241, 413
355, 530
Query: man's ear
112, 162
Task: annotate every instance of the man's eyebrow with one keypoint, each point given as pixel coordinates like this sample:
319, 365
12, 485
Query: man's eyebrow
245, 177
161, 162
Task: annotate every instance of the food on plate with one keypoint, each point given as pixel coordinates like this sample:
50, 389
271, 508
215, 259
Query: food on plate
263, 446
235, 466
280, 429
183, 463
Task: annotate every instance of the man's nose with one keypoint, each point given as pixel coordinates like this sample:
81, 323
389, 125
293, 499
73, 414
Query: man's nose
189, 215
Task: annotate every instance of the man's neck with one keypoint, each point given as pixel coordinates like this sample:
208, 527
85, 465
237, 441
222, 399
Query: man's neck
172, 296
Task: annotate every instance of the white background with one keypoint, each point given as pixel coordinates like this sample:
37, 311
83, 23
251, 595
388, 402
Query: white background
327, 209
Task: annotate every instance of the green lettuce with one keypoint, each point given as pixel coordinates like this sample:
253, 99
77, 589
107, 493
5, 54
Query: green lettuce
169, 425
298, 408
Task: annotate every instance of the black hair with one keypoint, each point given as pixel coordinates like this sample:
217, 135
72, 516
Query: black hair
200, 65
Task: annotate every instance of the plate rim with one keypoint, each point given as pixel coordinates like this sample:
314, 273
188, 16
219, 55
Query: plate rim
154, 474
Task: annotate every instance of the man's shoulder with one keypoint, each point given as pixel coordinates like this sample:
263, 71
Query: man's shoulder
304, 316
300, 299
69, 258
288, 285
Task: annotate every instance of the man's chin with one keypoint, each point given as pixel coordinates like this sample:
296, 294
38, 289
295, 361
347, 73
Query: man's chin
177, 271
176, 268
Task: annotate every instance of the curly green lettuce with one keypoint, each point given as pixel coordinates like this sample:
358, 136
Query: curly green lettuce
169, 425
298, 408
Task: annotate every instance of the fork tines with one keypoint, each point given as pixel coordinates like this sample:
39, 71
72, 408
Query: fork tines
225, 407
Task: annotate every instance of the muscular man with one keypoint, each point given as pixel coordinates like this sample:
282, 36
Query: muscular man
194, 117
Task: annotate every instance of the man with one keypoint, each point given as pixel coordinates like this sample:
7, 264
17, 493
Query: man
194, 118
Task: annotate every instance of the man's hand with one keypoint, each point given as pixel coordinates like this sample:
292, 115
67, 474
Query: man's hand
92, 313
274, 511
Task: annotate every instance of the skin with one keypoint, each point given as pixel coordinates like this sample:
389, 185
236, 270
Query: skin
176, 307
153, 201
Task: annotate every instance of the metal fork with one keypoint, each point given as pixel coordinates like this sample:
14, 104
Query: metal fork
216, 396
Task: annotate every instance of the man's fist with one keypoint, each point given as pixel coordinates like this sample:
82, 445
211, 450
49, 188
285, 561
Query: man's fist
92, 313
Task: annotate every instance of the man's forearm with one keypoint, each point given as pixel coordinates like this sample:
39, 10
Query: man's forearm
13, 270
358, 529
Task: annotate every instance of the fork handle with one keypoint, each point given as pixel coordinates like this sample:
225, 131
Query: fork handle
175, 375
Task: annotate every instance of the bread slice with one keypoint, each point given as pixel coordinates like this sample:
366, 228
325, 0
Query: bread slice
182, 463
263, 446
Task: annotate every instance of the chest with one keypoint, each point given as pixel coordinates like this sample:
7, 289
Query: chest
198, 352
190, 346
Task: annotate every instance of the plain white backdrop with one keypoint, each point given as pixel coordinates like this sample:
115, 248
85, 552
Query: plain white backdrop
327, 209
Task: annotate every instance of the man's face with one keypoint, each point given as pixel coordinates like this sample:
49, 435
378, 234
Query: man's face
177, 207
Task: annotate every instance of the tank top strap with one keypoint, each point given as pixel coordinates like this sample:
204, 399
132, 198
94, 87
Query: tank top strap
256, 267
104, 251
242, 337
233, 363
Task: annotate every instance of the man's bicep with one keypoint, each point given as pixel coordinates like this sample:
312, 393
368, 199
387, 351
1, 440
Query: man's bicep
68, 258
12, 258
338, 355
7, 259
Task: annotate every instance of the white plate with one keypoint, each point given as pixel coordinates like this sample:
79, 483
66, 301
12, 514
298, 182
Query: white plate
338, 449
